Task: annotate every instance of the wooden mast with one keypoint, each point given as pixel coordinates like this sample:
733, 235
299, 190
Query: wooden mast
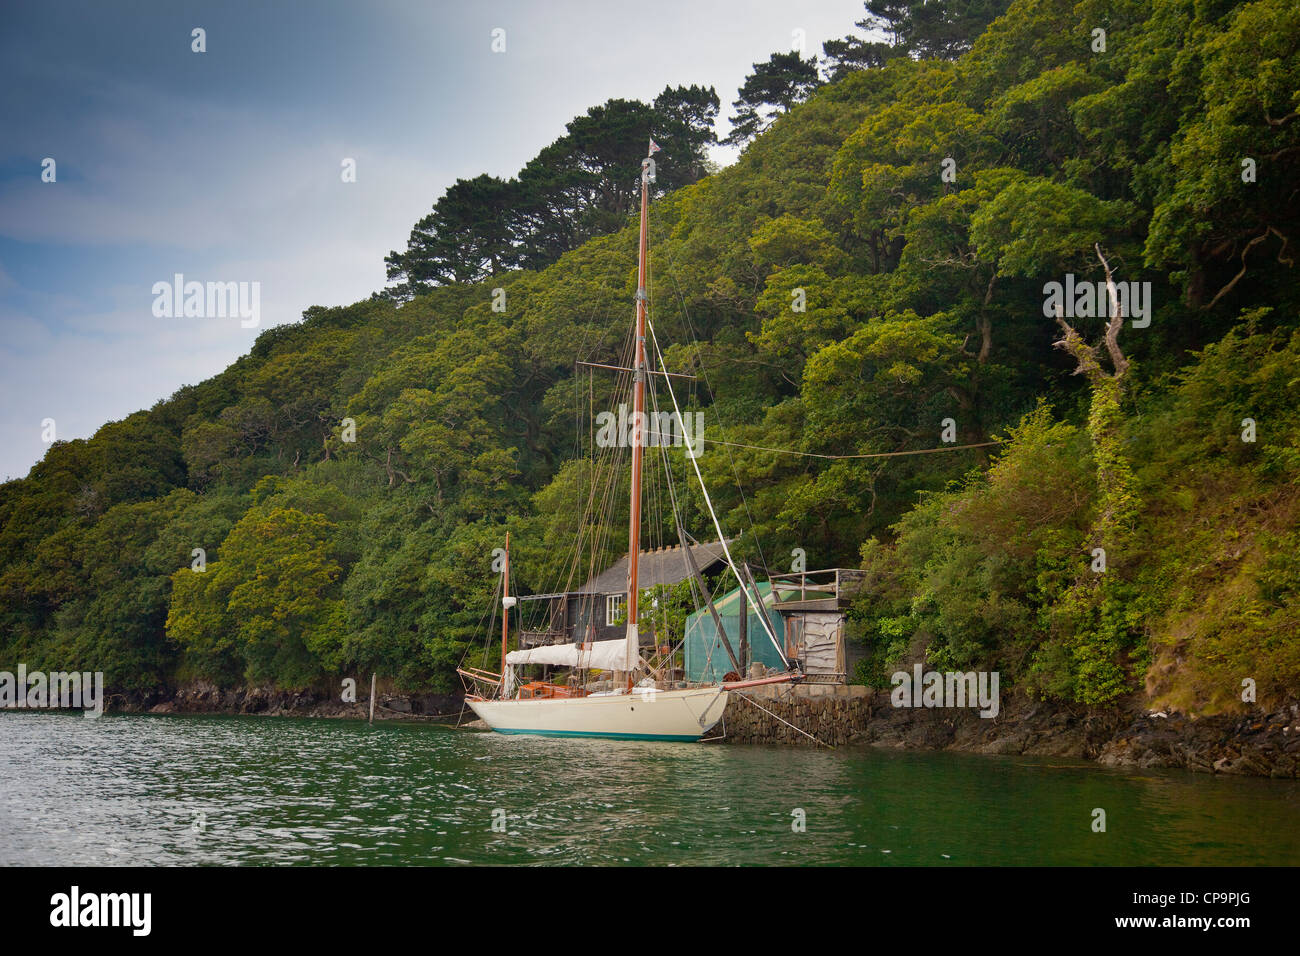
638, 423
505, 613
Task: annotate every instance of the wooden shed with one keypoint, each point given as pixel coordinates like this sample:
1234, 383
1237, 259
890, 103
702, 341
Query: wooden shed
814, 605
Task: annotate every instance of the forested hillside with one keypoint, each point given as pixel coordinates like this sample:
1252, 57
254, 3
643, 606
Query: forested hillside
875, 263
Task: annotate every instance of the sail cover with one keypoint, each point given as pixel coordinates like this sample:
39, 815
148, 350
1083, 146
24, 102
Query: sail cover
593, 655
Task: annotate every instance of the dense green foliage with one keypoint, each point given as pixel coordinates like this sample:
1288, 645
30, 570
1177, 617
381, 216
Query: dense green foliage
915, 210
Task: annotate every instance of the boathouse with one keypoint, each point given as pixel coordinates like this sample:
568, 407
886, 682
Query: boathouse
591, 613
706, 657
808, 613
814, 606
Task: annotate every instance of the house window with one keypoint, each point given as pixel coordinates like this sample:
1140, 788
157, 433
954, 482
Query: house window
613, 608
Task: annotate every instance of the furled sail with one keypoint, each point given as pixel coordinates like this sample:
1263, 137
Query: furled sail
593, 655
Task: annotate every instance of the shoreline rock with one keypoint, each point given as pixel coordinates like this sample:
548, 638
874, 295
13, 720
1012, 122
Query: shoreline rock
205, 698
1262, 744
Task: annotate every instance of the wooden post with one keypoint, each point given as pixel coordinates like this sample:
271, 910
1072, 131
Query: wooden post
372, 697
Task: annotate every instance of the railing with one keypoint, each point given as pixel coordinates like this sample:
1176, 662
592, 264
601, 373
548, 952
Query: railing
542, 638
476, 676
842, 584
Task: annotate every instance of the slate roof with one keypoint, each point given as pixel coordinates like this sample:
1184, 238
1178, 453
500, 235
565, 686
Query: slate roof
657, 566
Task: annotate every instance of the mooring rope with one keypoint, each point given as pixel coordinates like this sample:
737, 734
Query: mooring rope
784, 721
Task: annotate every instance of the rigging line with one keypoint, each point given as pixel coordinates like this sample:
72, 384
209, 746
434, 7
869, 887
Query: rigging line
488, 640
690, 453
696, 598
580, 533
608, 461
599, 504
578, 430
704, 375
880, 454
598, 501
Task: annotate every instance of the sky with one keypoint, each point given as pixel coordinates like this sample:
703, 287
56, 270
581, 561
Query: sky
227, 165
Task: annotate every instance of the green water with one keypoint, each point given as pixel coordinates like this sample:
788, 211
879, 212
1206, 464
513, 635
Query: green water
214, 790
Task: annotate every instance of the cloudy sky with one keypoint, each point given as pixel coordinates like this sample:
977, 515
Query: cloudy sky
225, 165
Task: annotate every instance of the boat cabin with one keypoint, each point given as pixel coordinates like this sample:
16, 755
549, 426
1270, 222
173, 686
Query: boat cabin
542, 690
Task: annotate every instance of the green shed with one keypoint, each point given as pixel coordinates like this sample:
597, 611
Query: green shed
706, 658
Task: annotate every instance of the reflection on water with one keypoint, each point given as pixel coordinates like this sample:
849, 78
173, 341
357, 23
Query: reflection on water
212, 790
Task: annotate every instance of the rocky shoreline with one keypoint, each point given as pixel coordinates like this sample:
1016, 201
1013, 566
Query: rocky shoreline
205, 698
1263, 744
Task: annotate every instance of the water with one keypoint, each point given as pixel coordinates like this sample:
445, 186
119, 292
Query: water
247, 790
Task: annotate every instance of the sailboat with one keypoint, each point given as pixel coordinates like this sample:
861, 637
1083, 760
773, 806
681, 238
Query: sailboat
636, 706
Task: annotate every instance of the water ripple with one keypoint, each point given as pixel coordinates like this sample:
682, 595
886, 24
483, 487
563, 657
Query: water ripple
221, 790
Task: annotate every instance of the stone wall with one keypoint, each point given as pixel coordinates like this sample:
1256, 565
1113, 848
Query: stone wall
833, 713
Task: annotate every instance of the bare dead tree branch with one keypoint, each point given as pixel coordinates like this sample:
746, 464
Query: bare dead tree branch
1282, 152
1117, 359
1089, 363
1237, 278
1084, 354
1285, 242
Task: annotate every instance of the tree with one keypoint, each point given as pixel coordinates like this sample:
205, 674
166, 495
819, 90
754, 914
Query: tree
1092, 609
943, 29
773, 88
584, 184
1228, 207
467, 236
684, 130
587, 182
270, 604
852, 53
922, 29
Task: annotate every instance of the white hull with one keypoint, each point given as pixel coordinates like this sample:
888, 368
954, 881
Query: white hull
661, 715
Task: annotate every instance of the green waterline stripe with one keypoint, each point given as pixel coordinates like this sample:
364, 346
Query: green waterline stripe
596, 733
